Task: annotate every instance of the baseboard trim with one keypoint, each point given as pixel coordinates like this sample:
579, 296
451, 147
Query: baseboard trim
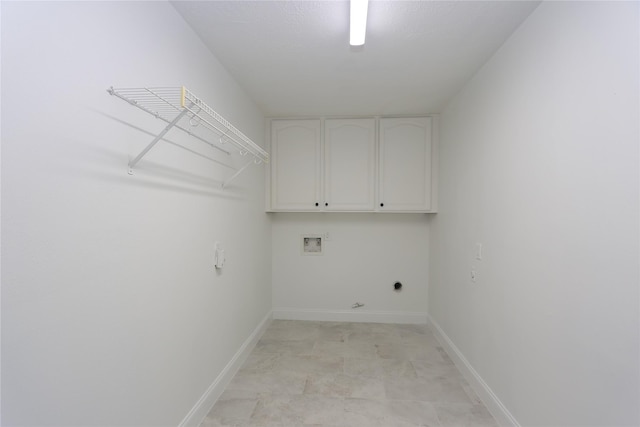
484, 392
356, 315
200, 410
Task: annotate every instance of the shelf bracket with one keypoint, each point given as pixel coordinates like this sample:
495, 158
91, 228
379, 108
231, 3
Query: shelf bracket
238, 172
133, 162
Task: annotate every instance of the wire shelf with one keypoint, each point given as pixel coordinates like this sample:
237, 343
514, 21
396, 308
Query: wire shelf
172, 104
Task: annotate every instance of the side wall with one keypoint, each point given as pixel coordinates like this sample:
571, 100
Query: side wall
539, 163
112, 312
365, 255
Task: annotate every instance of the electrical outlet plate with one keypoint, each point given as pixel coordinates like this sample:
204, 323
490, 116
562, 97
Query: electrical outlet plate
479, 251
218, 256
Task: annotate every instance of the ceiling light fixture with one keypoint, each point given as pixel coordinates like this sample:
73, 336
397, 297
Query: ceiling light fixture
358, 22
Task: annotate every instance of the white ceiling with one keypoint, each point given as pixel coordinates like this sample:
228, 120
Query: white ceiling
294, 58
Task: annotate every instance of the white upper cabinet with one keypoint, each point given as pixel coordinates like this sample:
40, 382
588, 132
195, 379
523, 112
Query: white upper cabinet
345, 165
349, 164
295, 165
404, 171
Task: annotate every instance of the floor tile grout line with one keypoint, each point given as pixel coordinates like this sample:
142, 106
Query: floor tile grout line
405, 335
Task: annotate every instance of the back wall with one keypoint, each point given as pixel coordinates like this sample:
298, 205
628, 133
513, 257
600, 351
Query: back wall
365, 255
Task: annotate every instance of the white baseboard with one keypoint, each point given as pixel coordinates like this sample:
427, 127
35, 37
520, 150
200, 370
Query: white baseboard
356, 315
488, 397
209, 398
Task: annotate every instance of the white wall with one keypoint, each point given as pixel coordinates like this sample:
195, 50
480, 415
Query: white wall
539, 163
112, 313
365, 256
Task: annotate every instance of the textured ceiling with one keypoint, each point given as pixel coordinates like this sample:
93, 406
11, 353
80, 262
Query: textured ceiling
294, 58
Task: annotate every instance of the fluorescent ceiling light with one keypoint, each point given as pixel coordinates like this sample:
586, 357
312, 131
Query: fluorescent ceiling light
358, 22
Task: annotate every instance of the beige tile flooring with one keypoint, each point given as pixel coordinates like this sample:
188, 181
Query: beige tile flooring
348, 374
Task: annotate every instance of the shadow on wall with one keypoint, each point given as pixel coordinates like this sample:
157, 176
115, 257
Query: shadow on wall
148, 172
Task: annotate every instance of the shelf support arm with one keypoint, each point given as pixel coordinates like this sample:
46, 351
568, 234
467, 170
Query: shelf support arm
133, 162
238, 172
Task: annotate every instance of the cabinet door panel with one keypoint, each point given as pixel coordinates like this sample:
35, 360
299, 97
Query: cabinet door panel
295, 167
405, 165
349, 157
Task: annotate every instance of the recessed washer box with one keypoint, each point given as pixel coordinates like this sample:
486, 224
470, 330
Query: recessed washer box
311, 244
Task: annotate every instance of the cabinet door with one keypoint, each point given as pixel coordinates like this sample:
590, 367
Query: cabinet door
295, 165
349, 164
405, 165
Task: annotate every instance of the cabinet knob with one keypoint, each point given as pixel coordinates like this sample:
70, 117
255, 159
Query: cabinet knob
316, 203
381, 204
326, 204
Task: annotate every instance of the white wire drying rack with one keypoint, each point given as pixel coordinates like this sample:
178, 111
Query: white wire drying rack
172, 104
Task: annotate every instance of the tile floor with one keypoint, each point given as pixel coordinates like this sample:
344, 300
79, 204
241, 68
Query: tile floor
348, 374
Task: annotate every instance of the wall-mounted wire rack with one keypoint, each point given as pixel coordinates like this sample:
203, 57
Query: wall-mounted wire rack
172, 104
